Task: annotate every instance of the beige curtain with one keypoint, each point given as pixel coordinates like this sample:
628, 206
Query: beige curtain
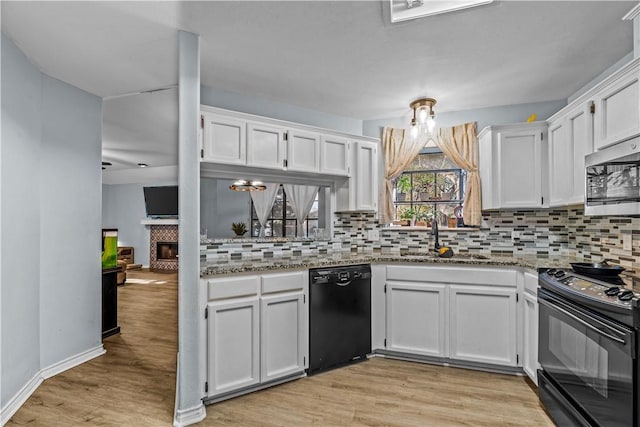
399, 151
460, 145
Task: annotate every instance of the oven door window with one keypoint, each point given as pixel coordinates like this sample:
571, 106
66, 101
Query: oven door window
591, 362
615, 182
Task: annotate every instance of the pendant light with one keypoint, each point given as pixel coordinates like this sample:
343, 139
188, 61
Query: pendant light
247, 185
423, 121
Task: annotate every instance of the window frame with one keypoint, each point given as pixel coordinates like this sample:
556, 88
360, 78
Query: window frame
413, 201
284, 219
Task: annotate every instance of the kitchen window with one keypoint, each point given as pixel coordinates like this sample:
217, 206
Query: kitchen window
432, 187
282, 221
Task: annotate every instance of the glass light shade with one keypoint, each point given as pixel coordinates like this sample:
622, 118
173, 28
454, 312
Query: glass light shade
422, 116
413, 133
431, 124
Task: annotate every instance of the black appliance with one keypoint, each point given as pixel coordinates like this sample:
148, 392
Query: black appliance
588, 348
161, 202
339, 316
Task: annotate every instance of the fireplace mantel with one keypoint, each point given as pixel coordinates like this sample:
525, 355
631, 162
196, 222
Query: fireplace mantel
159, 221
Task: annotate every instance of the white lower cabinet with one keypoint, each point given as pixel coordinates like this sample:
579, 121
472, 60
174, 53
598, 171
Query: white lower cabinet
530, 327
233, 345
483, 324
461, 314
257, 330
282, 332
416, 318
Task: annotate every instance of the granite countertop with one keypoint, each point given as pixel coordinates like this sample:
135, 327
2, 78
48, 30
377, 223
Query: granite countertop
225, 266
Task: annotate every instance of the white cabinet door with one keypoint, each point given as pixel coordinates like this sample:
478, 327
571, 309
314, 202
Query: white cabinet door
365, 179
530, 358
233, 345
283, 335
416, 318
513, 166
482, 324
560, 163
303, 151
224, 139
617, 115
580, 133
530, 327
265, 146
570, 140
334, 155
520, 168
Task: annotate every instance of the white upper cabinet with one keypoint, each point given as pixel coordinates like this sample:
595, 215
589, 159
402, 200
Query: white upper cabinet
513, 165
617, 102
223, 139
334, 155
266, 146
570, 140
365, 180
303, 151
560, 163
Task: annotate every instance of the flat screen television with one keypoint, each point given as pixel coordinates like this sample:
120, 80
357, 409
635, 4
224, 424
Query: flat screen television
161, 202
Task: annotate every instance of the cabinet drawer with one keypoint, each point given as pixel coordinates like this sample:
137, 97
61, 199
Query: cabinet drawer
483, 276
231, 287
282, 282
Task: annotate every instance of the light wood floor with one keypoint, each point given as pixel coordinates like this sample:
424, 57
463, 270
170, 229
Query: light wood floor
134, 385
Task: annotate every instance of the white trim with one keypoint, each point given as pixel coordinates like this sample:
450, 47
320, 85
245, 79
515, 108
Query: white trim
160, 221
632, 13
189, 416
32, 385
71, 362
20, 398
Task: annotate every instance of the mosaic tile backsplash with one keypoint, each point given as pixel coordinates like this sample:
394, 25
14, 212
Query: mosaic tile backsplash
526, 232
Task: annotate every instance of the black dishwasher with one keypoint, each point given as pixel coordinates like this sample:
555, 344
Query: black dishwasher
339, 316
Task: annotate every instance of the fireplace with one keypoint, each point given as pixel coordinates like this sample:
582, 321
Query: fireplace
167, 251
163, 248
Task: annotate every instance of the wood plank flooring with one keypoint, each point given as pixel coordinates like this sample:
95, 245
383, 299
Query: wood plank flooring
134, 385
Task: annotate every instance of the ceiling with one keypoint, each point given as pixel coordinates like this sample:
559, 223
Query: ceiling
341, 57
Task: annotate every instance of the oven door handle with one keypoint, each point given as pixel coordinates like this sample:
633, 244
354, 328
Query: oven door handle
582, 322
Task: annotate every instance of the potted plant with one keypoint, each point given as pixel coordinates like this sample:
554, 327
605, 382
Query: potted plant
424, 186
239, 228
447, 188
407, 216
403, 186
423, 216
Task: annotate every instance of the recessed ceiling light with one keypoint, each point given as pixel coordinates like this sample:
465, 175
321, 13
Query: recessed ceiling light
143, 165
106, 164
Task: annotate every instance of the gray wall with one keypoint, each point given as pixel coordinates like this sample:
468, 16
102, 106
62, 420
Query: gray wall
20, 236
123, 208
277, 110
70, 240
220, 207
50, 237
504, 114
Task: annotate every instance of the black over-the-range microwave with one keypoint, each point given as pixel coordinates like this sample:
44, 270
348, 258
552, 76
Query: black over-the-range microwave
613, 180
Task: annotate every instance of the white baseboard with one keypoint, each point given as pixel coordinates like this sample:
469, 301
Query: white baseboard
20, 397
185, 417
189, 416
32, 385
72, 362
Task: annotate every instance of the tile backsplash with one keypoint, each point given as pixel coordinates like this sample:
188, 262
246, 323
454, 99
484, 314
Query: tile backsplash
524, 232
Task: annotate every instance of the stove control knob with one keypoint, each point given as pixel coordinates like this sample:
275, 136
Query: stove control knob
614, 290
559, 274
625, 295
551, 271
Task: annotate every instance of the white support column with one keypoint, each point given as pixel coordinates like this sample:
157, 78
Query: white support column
190, 378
